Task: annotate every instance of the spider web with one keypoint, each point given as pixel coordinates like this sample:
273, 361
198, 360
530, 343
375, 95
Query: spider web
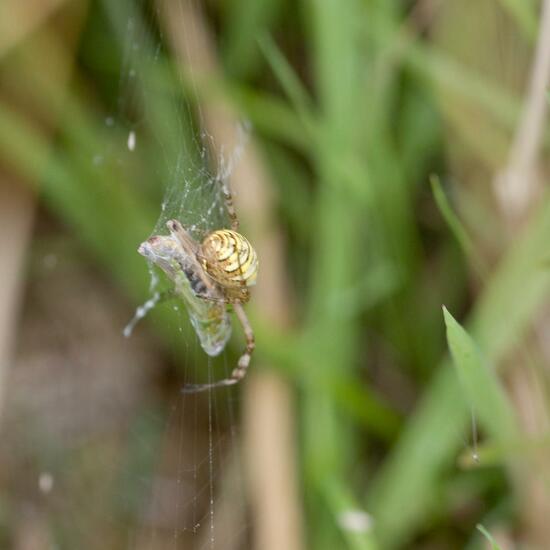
196, 170
201, 498
194, 195
154, 99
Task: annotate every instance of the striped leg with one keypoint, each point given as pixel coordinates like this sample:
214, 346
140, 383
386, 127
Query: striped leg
244, 361
230, 206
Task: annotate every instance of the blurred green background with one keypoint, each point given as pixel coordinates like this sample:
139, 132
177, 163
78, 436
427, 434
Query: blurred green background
395, 163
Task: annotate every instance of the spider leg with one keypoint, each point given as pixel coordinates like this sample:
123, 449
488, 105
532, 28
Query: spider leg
237, 302
244, 361
230, 206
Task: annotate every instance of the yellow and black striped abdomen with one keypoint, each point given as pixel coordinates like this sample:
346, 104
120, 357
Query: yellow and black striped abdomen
229, 259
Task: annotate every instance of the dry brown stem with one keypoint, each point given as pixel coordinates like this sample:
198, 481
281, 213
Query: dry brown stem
19, 19
518, 183
517, 186
16, 215
16, 201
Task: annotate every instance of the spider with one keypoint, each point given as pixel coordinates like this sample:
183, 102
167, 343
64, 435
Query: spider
218, 270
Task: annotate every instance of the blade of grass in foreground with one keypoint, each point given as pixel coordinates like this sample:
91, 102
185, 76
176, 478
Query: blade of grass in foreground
481, 386
432, 437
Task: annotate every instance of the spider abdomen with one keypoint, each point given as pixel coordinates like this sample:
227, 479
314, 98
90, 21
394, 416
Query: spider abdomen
229, 259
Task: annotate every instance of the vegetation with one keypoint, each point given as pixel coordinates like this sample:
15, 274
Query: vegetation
386, 130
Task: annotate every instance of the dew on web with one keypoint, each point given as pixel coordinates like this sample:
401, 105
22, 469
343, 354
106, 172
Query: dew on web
470, 456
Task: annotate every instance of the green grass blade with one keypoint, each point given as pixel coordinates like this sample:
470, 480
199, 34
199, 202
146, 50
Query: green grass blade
244, 21
455, 225
488, 536
481, 386
273, 117
433, 435
289, 81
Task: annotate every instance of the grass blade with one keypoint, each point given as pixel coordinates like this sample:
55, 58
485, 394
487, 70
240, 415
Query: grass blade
455, 225
488, 536
432, 437
481, 386
289, 81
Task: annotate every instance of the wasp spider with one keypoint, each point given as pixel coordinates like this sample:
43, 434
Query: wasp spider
222, 268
